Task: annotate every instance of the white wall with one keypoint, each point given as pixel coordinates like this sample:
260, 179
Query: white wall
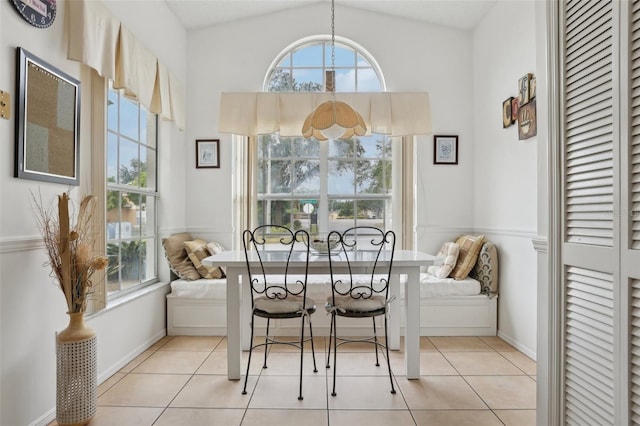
413, 57
32, 308
505, 168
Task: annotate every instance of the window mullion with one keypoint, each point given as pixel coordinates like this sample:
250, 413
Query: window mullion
323, 202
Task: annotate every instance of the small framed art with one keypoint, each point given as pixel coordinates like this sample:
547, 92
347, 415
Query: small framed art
207, 153
507, 117
445, 149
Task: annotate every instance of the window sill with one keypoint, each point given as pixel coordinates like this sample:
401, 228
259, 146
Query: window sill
130, 297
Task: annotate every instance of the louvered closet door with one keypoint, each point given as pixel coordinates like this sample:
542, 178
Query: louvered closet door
631, 224
591, 227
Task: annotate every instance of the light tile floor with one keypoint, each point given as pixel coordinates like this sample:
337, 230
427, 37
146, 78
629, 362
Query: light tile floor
182, 381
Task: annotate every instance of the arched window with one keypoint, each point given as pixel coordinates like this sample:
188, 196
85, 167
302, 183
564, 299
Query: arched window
322, 186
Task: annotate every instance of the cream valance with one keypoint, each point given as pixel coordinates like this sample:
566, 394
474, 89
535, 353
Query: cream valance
99, 40
250, 114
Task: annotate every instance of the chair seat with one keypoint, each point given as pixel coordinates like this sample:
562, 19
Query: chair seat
292, 305
347, 304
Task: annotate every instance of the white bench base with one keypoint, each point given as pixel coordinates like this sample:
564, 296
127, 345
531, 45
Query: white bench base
446, 316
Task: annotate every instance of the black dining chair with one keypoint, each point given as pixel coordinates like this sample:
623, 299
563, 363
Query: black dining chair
278, 294
360, 295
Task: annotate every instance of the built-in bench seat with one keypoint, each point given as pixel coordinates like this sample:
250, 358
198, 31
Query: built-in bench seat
449, 307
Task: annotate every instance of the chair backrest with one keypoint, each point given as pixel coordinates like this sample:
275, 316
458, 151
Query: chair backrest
371, 243
279, 244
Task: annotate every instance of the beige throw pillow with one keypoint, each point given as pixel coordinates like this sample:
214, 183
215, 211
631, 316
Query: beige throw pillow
470, 246
197, 250
178, 258
450, 252
215, 248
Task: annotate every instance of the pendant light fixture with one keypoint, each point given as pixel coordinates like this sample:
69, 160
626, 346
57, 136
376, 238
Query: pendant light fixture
333, 119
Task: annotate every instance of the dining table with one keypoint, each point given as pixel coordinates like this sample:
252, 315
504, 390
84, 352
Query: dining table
405, 263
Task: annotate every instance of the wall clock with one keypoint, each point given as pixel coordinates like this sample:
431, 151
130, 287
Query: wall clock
39, 13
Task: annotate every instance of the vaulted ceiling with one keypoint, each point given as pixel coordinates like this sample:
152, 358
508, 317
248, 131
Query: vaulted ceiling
462, 14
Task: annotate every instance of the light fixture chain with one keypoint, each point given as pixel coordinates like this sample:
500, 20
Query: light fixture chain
333, 49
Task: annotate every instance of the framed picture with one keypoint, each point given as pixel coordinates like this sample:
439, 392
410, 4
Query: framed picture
532, 88
445, 149
47, 122
507, 117
527, 121
523, 89
514, 109
207, 153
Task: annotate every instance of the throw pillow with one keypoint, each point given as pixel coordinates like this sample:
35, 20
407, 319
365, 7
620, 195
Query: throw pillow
450, 252
178, 258
470, 246
215, 248
197, 250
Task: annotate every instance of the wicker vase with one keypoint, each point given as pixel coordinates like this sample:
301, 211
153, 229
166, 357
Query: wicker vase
76, 372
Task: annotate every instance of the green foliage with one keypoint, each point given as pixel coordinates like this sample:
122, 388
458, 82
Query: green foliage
126, 259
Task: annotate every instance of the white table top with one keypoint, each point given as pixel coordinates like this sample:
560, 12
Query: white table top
236, 258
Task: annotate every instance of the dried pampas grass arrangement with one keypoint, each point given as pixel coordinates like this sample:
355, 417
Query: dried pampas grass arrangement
69, 247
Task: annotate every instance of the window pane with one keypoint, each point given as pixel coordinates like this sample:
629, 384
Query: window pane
308, 80
308, 56
280, 177
368, 81
345, 56
340, 148
341, 177
274, 212
113, 215
345, 80
286, 60
373, 176
148, 216
128, 118
262, 176
128, 162
148, 258
280, 81
306, 147
112, 158
113, 270
341, 214
280, 147
307, 177
371, 147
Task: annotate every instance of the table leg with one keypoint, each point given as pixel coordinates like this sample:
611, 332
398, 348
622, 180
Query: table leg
233, 324
395, 313
412, 328
245, 316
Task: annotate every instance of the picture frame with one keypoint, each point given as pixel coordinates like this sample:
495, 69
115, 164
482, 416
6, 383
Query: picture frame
47, 122
445, 149
207, 153
507, 117
523, 89
527, 121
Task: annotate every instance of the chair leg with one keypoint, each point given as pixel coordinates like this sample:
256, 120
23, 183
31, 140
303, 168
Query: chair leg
375, 339
330, 336
246, 376
300, 398
386, 345
266, 345
313, 349
335, 352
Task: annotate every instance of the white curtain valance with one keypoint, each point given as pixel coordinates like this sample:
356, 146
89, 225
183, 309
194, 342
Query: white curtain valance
251, 114
100, 41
